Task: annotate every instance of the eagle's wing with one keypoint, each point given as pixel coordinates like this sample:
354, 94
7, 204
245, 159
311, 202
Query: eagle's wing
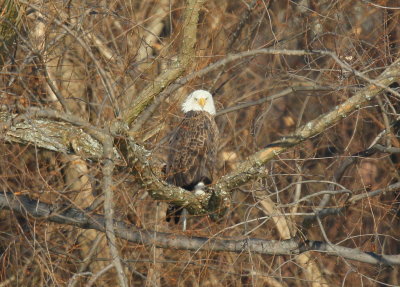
193, 151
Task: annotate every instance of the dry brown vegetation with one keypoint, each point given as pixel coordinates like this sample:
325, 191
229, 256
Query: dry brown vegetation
309, 124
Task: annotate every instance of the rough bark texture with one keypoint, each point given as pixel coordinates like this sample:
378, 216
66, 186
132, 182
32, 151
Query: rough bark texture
307, 179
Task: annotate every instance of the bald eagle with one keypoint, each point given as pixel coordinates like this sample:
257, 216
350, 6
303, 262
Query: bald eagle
193, 147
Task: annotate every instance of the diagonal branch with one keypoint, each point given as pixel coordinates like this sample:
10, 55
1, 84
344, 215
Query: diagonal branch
71, 216
68, 134
249, 169
253, 166
185, 56
61, 136
230, 58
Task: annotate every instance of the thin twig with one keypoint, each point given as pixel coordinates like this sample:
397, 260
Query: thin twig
102, 73
98, 274
252, 167
88, 260
307, 197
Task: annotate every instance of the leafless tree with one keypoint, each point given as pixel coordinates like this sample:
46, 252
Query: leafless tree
307, 188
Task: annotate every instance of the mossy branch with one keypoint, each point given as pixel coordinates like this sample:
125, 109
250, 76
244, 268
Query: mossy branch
186, 53
249, 169
61, 136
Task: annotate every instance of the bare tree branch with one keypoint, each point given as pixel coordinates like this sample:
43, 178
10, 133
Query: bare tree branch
247, 170
250, 168
227, 59
184, 59
108, 168
103, 76
71, 216
52, 130
308, 112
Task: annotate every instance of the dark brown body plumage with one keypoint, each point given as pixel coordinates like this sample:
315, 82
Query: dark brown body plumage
193, 153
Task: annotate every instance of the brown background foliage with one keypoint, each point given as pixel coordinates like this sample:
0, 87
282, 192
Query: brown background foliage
135, 41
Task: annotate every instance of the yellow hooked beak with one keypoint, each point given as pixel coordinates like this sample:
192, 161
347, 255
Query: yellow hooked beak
202, 102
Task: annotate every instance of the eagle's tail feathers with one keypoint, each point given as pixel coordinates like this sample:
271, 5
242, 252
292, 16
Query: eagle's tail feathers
174, 212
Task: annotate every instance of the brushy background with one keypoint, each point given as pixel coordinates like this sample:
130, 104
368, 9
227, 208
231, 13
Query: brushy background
134, 41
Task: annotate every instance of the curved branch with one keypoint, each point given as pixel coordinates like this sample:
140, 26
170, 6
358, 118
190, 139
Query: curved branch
59, 135
66, 133
71, 216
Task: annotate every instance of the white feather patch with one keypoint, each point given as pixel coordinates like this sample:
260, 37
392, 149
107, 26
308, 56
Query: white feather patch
199, 188
192, 102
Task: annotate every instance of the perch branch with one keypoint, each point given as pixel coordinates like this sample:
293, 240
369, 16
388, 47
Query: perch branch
52, 130
60, 136
60, 132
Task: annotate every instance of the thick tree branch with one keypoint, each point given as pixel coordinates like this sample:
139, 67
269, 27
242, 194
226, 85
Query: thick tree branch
52, 130
185, 56
230, 58
152, 175
66, 133
71, 216
60, 136
249, 169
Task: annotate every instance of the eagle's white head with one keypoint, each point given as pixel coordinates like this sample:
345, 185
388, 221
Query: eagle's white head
199, 101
